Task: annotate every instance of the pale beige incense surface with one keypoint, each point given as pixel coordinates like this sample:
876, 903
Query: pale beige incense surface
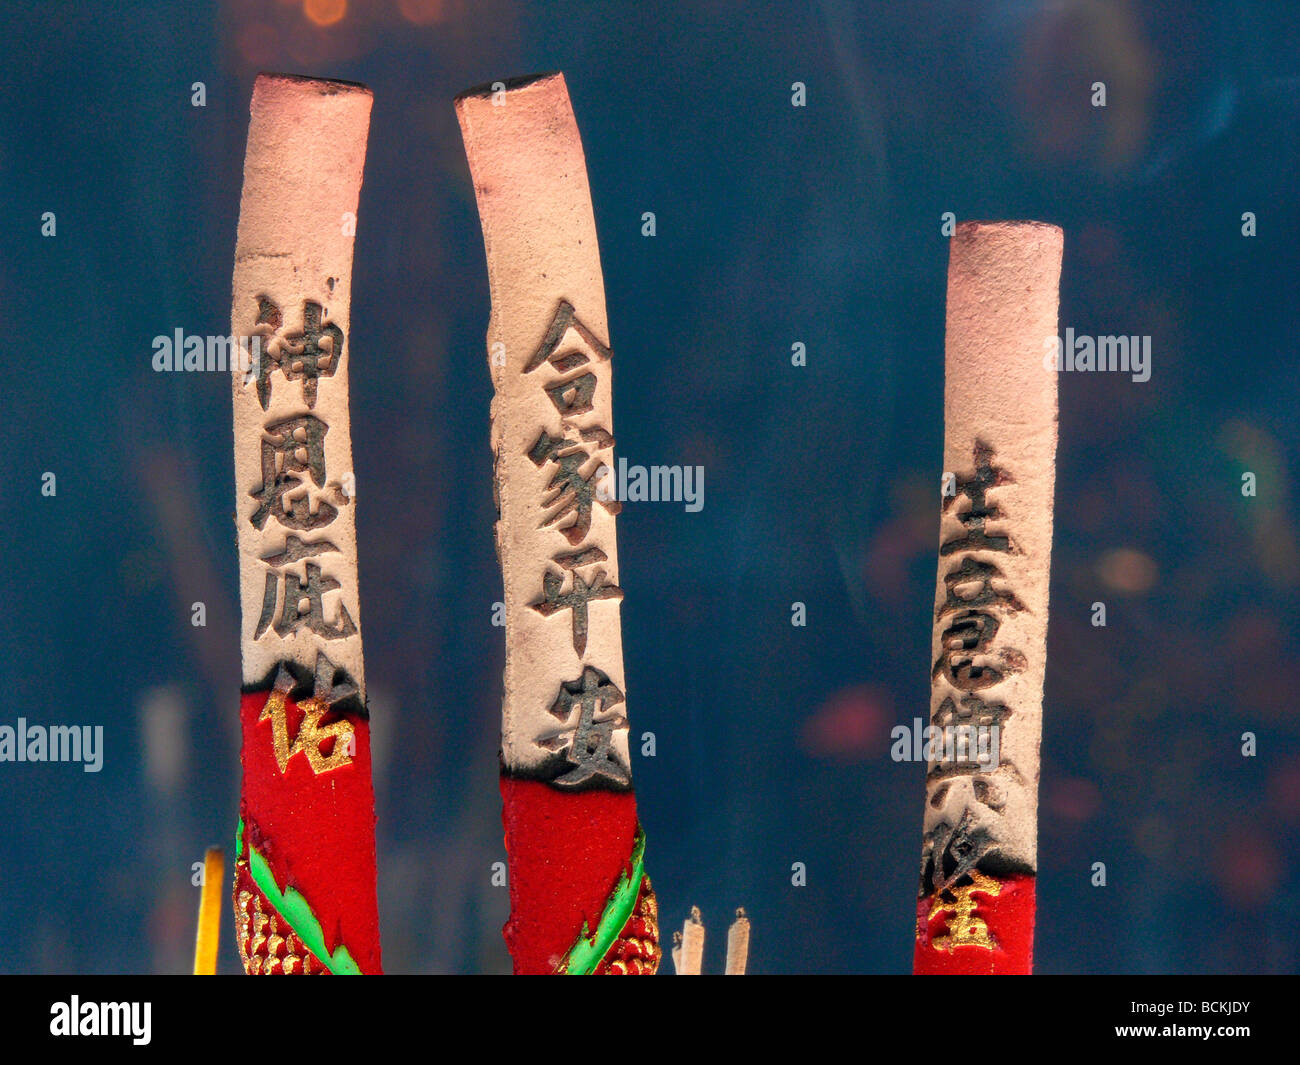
738, 945
530, 179
691, 961
1003, 283
302, 179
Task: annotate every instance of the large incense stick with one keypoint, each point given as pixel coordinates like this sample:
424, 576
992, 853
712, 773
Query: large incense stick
305, 853
580, 902
975, 913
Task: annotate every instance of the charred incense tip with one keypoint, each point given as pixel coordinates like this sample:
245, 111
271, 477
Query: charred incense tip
210, 903
304, 84
1009, 258
490, 88
972, 225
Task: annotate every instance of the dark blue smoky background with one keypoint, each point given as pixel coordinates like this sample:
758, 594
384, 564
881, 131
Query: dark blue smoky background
775, 226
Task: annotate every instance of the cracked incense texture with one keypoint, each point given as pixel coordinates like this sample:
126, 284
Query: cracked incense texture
305, 859
572, 834
975, 912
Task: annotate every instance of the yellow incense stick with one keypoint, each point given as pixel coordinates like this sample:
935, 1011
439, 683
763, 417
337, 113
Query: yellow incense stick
210, 902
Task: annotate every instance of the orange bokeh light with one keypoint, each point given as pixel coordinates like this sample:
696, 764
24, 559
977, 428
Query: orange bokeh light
1128, 570
325, 12
421, 12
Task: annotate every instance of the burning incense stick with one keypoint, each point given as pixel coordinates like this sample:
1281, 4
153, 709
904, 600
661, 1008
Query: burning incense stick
579, 899
975, 912
688, 945
305, 851
691, 962
738, 945
209, 930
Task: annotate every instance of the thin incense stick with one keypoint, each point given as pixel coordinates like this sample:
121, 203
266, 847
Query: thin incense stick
305, 899
738, 945
579, 899
975, 911
208, 935
691, 962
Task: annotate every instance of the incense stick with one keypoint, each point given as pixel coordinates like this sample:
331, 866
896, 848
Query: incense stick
738, 945
975, 911
580, 901
688, 945
208, 935
691, 962
305, 897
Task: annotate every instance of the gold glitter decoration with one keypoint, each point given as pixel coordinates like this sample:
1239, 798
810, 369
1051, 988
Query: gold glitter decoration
637, 951
311, 734
267, 945
964, 929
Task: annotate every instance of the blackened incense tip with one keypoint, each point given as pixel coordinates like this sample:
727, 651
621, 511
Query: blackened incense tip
983, 229
303, 83
488, 88
992, 247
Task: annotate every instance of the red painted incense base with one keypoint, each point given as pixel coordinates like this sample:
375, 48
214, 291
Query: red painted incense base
305, 856
573, 857
982, 925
